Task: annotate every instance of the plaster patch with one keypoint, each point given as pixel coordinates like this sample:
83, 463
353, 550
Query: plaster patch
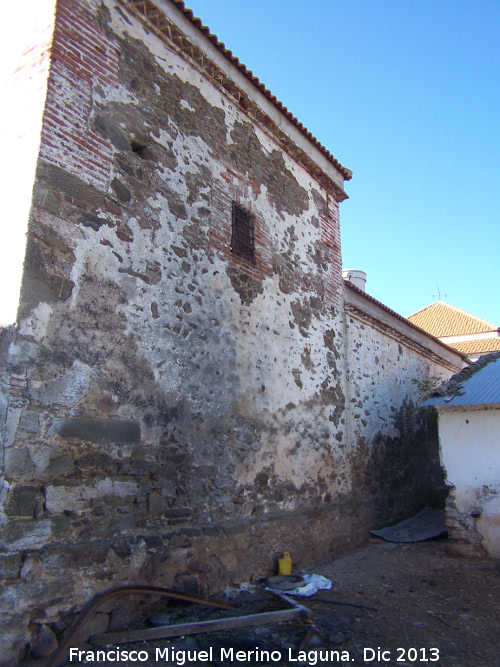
71, 387
59, 499
35, 324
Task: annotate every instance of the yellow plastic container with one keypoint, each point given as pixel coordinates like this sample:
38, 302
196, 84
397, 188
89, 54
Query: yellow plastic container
285, 565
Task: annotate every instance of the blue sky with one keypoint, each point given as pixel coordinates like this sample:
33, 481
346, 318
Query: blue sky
406, 93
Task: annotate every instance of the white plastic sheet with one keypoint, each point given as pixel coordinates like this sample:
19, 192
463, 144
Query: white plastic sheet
313, 583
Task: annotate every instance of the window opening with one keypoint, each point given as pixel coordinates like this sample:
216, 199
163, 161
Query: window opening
243, 233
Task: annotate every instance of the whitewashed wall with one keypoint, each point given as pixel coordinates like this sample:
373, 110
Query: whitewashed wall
470, 453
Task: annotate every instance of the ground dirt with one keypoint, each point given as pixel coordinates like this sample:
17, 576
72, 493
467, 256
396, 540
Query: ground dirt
390, 604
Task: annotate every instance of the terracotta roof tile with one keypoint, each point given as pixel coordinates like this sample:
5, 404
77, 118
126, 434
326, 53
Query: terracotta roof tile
441, 319
482, 346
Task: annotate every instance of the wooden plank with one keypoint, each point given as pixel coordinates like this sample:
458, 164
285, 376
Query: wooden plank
167, 631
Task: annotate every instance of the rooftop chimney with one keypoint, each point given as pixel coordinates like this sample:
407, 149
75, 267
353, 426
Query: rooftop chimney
356, 277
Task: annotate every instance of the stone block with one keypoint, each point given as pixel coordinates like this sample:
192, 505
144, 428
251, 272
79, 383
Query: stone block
121, 547
92, 221
31, 568
10, 565
247, 437
28, 422
121, 190
80, 497
78, 556
21, 502
18, 465
59, 465
101, 431
68, 183
44, 197
137, 467
179, 513
60, 524
109, 526
69, 387
26, 533
156, 504
152, 541
44, 643
40, 283
13, 639
110, 130
33, 595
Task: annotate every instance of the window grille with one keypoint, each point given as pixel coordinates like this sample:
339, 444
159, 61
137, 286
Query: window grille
243, 233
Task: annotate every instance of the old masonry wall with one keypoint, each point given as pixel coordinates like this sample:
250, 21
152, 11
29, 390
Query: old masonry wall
174, 414
395, 446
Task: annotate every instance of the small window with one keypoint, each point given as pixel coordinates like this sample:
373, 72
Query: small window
243, 233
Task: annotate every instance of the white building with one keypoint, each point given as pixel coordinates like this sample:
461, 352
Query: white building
469, 432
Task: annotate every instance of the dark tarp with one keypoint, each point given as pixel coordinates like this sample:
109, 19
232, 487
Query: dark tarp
425, 525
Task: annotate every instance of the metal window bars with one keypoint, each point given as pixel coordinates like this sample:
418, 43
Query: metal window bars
243, 233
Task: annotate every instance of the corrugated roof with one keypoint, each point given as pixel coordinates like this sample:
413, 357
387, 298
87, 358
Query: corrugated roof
442, 319
478, 384
481, 346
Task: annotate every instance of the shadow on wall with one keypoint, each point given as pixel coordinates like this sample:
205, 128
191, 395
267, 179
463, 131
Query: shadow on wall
403, 473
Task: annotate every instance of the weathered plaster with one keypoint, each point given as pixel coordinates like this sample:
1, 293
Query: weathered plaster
393, 445
470, 444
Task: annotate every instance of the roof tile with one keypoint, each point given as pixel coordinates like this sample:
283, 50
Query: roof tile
481, 346
346, 173
441, 319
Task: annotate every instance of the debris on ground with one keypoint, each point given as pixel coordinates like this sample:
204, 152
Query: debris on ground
426, 525
414, 603
310, 585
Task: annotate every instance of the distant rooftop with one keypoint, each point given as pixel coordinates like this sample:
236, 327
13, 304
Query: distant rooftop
478, 346
379, 304
441, 319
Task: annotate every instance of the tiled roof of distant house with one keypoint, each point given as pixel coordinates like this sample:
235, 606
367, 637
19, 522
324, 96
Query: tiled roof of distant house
481, 346
441, 319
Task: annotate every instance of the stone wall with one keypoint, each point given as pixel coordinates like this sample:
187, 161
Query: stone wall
394, 444
175, 410
175, 414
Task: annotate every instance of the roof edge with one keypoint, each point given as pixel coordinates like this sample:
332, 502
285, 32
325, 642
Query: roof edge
453, 385
372, 299
227, 53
